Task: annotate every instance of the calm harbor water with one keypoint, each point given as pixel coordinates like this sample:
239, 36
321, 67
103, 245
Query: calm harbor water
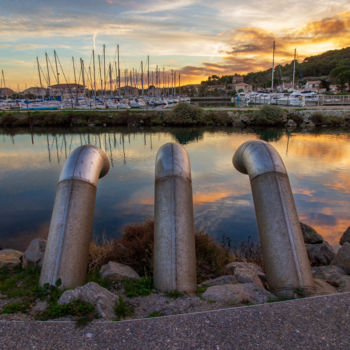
318, 166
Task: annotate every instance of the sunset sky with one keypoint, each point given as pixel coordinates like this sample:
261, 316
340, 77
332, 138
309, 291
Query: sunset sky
196, 38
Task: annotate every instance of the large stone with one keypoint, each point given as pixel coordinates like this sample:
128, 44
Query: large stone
226, 279
345, 237
330, 273
238, 293
322, 287
342, 258
344, 285
310, 235
10, 258
246, 272
92, 293
117, 272
320, 254
34, 254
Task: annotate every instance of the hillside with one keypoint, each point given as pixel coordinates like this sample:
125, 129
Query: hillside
334, 64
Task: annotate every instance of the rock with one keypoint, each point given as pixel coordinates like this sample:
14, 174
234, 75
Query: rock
336, 248
310, 235
231, 267
330, 273
10, 258
34, 254
238, 293
344, 285
322, 287
40, 306
92, 293
117, 272
291, 124
226, 279
342, 258
320, 254
246, 272
345, 237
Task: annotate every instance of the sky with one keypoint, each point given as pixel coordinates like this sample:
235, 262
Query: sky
195, 38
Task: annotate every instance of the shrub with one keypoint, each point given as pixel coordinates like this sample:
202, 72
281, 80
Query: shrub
122, 309
143, 286
134, 248
296, 117
317, 118
270, 116
249, 251
211, 257
334, 120
81, 311
12, 308
185, 114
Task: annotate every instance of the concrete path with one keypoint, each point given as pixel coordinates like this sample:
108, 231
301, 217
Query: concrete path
313, 323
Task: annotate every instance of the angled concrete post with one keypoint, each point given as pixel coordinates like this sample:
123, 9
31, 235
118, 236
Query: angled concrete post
67, 249
286, 262
174, 242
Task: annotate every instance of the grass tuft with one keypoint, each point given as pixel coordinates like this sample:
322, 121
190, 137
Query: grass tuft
141, 287
122, 309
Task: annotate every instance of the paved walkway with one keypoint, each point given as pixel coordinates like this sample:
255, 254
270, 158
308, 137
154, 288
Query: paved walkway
313, 323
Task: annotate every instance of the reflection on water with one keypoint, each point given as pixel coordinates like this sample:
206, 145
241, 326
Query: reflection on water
318, 166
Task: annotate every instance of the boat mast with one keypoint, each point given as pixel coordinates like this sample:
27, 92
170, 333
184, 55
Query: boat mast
110, 78
82, 73
94, 70
3, 77
75, 76
148, 75
48, 71
273, 64
179, 84
142, 76
295, 57
99, 68
104, 68
37, 61
116, 77
57, 73
118, 68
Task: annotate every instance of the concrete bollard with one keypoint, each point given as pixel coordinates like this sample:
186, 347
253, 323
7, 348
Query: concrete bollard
286, 262
67, 249
174, 241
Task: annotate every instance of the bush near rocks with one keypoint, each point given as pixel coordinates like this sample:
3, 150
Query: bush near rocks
270, 116
185, 114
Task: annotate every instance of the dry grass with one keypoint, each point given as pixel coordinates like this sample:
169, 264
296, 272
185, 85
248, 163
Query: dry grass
135, 248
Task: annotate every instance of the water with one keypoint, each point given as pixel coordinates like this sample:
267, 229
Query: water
318, 166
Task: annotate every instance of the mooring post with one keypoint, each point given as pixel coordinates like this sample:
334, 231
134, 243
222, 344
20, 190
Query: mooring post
174, 241
67, 249
285, 258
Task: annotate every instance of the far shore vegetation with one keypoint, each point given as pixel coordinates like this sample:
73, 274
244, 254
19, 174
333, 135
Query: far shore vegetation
182, 115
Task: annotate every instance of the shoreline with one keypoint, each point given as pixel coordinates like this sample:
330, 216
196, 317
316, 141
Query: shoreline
182, 116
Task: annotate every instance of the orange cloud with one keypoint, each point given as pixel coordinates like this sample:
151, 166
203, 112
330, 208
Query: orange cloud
251, 47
